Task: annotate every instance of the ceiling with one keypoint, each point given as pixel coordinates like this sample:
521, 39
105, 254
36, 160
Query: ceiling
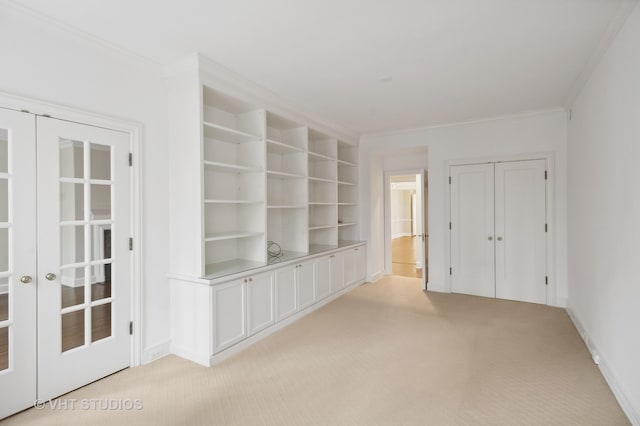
372, 66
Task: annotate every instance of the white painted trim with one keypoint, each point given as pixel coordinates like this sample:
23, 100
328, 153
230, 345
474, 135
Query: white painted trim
371, 278
155, 352
4, 288
621, 394
134, 129
550, 244
470, 122
238, 347
45, 19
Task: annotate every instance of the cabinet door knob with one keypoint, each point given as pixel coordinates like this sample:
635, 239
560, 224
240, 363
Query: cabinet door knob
490, 238
26, 279
245, 280
499, 238
250, 279
50, 276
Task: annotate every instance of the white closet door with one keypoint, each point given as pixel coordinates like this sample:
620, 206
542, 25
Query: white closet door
520, 231
17, 262
84, 262
472, 226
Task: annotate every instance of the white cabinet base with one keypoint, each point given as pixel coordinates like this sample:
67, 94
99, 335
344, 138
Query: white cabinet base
221, 356
212, 321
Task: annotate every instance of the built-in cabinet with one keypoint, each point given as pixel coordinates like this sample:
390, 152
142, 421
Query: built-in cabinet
211, 319
264, 208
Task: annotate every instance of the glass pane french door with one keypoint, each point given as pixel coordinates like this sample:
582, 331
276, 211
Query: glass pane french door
17, 261
84, 262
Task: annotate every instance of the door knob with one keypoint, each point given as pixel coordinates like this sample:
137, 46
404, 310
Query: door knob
490, 238
50, 276
26, 279
499, 238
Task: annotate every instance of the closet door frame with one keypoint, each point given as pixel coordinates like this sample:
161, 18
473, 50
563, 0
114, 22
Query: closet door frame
550, 238
134, 130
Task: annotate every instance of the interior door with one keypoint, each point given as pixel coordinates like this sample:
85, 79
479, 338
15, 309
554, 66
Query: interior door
17, 262
472, 230
83, 237
520, 192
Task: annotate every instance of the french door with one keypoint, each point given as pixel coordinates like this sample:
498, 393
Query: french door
498, 226
71, 182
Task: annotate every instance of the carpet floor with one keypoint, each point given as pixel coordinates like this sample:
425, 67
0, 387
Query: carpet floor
384, 354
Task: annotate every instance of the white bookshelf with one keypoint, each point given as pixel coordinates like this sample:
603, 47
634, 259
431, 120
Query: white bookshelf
286, 185
263, 177
234, 181
347, 162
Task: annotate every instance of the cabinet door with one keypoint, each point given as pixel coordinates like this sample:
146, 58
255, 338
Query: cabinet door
260, 298
337, 271
306, 281
286, 297
229, 313
349, 267
323, 276
360, 263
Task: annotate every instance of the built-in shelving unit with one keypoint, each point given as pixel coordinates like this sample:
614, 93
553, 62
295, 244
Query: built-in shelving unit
263, 177
233, 181
287, 184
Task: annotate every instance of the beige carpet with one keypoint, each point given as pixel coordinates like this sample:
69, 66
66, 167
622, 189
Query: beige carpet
385, 354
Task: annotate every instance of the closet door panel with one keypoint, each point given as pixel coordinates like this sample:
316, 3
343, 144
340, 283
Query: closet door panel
520, 231
472, 227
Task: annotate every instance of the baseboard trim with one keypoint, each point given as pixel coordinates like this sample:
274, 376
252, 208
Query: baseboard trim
375, 276
239, 347
155, 352
632, 412
401, 234
437, 289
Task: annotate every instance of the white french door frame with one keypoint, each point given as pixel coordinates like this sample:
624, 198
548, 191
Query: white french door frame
387, 221
550, 237
134, 130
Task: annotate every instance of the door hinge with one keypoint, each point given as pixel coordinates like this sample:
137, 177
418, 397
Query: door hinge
450, 271
545, 175
130, 328
546, 228
449, 180
130, 159
546, 280
449, 225
130, 244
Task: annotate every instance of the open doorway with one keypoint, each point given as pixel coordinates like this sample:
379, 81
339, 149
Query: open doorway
406, 224
404, 227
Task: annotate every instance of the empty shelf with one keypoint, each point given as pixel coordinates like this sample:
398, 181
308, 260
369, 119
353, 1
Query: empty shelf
220, 236
227, 134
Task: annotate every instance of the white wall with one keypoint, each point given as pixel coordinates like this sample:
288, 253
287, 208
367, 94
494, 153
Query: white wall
45, 62
504, 138
604, 214
401, 212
